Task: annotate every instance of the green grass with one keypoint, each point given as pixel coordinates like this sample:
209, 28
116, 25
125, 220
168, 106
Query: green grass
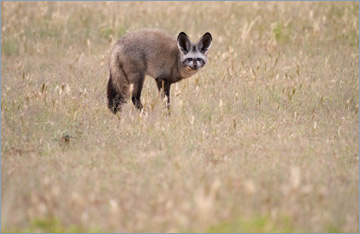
50, 225
10, 47
253, 225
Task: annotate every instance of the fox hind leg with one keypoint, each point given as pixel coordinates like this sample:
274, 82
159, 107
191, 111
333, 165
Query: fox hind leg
138, 82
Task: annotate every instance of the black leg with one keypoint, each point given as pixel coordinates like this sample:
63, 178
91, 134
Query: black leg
167, 94
160, 84
136, 92
163, 85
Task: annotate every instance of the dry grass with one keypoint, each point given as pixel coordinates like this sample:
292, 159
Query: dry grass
263, 139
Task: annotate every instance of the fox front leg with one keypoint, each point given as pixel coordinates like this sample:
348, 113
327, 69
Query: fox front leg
167, 94
164, 89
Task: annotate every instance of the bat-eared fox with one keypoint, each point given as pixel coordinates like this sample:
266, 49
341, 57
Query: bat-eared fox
154, 53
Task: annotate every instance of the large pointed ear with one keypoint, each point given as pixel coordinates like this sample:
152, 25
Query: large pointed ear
183, 43
204, 43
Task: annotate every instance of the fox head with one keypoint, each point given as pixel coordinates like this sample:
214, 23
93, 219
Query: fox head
193, 56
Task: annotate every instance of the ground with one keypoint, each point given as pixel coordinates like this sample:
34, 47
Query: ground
265, 138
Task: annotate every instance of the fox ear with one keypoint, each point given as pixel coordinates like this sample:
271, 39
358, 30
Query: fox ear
183, 43
204, 43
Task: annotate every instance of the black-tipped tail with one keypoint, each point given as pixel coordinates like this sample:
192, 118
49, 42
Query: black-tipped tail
115, 98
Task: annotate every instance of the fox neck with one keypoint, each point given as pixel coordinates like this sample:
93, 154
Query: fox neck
185, 72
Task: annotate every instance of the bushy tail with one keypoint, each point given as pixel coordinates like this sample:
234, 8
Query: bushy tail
118, 85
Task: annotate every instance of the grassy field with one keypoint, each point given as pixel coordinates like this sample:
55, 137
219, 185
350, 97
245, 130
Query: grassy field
264, 139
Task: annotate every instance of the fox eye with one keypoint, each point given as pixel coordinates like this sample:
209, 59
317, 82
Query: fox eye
189, 59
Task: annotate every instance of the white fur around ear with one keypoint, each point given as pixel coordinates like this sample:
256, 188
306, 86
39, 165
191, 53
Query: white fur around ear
204, 43
183, 43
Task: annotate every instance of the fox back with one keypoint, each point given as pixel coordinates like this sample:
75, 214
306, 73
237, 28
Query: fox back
154, 53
